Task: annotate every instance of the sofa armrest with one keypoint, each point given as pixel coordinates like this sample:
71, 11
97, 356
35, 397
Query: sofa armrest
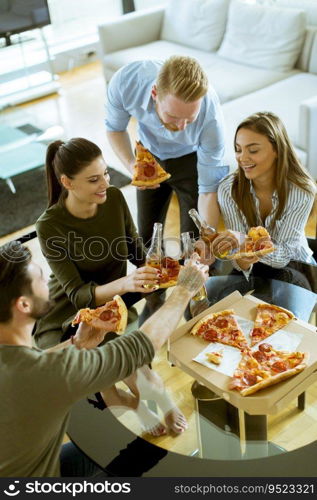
131, 30
307, 132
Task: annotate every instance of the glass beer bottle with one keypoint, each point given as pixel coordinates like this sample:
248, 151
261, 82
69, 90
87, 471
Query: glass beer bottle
154, 254
188, 250
206, 232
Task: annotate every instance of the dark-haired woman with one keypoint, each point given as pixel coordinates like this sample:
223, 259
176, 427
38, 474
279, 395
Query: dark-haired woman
271, 189
87, 235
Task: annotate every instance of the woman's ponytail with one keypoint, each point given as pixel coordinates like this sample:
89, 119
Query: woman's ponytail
54, 187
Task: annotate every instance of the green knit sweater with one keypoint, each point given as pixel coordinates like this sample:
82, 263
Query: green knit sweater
82, 254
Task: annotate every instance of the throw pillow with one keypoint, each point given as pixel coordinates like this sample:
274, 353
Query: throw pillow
309, 6
263, 36
196, 23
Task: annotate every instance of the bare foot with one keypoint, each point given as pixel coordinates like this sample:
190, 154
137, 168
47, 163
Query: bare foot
176, 421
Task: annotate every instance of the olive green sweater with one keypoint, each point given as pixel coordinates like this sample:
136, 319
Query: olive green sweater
82, 254
38, 389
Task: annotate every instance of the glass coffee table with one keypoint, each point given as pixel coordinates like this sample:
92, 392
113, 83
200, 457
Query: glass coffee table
221, 440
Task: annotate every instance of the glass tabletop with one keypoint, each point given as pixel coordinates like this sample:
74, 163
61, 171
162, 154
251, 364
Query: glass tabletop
220, 441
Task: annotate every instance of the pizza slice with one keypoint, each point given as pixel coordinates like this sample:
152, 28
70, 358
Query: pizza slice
269, 319
215, 357
257, 243
221, 327
115, 308
169, 272
278, 361
146, 170
264, 368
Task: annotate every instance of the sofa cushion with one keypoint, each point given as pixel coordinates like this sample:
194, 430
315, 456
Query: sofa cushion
309, 6
160, 49
198, 24
232, 80
263, 36
282, 98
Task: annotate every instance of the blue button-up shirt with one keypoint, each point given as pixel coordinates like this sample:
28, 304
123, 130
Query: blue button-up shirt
129, 94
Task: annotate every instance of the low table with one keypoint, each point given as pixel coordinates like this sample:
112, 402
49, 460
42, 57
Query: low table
221, 441
18, 153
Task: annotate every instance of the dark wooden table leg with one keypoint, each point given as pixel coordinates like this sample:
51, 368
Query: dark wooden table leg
255, 427
301, 400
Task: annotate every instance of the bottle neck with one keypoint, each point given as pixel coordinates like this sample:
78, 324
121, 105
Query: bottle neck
206, 232
197, 219
187, 244
155, 250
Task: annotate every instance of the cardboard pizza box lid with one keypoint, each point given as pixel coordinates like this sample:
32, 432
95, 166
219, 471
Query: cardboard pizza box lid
184, 347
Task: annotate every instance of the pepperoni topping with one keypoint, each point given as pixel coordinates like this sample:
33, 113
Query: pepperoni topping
106, 315
258, 332
259, 356
249, 378
210, 335
265, 347
221, 323
279, 366
149, 171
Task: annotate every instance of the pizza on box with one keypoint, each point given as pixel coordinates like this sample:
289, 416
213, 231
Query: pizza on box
265, 367
269, 319
221, 327
257, 243
115, 308
146, 170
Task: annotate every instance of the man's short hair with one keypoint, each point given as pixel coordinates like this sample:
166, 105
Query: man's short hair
183, 77
14, 276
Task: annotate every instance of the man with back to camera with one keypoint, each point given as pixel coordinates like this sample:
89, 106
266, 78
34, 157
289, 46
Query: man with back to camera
38, 388
180, 122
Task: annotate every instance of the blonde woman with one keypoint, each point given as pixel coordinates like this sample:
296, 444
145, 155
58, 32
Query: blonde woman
270, 188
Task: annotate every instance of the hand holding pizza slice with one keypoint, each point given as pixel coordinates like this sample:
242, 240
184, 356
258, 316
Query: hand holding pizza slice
115, 310
147, 172
256, 244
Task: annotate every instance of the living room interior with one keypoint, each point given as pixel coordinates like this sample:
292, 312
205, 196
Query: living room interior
258, 55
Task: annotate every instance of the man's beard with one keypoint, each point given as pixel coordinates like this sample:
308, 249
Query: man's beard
40, 307
169, 126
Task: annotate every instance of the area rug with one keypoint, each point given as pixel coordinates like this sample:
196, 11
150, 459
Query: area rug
23, 208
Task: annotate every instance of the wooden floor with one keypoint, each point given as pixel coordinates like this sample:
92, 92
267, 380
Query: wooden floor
79, 108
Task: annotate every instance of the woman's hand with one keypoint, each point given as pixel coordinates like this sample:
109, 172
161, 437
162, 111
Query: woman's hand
247, 262
204, 252
141, 278
224, 243
90, 336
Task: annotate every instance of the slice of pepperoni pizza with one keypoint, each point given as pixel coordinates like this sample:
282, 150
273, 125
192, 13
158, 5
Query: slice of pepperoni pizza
221, 327
169, 272
265, 367
147, 171
269, 319
256, 244
115, 308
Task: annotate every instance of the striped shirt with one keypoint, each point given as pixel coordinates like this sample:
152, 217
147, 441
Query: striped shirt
288, 234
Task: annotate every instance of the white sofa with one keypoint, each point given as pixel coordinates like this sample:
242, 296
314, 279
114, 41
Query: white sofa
257, 57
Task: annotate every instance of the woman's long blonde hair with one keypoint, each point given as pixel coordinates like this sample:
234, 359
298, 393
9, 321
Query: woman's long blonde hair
288, 167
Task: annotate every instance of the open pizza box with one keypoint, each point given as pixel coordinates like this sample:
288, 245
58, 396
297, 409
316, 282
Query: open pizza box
184, 347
